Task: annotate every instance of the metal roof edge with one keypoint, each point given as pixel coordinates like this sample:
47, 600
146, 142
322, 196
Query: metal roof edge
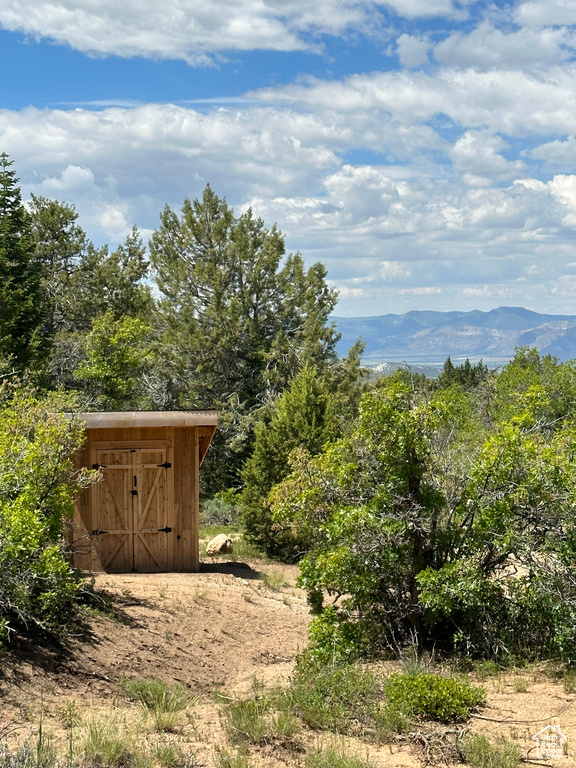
126, 419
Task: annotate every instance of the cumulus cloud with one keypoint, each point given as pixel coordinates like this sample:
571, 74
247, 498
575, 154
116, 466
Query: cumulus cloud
514, 103
409, 183
479, 154
487, 47
184, 29
412, 50
546, 12
559, 153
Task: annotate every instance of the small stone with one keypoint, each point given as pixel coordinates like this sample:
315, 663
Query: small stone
220, 544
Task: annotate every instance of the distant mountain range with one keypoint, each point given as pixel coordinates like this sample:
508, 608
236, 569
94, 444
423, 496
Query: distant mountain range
428, 338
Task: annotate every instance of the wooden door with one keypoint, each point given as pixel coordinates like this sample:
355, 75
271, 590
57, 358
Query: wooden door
131, 510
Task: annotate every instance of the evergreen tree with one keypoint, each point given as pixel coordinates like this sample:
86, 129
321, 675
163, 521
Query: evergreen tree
238, 320
22, 301
303, 418
60, 244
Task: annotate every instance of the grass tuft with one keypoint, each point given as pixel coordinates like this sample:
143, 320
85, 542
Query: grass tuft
335, 756
342, 699
480, 752
274, 580
106, 743
163, 702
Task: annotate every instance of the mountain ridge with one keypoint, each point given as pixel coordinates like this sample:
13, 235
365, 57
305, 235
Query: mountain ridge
430, 335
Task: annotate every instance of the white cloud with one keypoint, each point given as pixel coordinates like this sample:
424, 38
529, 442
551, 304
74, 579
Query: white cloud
557, 152
102, 210
412, 9
392, 270
478, 153
514, 103
345, 292
487, 47
546, 12
448, 199
185, 29
422, 291
412, 51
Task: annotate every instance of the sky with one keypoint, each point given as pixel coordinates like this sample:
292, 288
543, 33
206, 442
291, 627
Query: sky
423, 150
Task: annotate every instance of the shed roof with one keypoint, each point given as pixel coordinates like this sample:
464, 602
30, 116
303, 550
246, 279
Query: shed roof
107, 419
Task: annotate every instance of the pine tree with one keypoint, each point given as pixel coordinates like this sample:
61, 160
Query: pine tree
304, 418
238, 320
22, 301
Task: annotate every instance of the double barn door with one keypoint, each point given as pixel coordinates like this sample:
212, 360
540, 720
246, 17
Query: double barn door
131, 510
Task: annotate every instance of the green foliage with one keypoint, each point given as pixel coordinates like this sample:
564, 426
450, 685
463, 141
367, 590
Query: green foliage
107, 743
467, 376
113, 366
480, 752
22, 300
341, 698
303, 418
161, 701
221, 510
432, 523
29, 755
434, 697
237, 320
38, 484
226, 759
246, 721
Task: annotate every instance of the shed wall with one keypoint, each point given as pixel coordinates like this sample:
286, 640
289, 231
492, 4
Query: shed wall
183, 448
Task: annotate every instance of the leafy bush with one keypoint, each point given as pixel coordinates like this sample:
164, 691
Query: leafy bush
38, 484
443, 521
434, 697
220, 510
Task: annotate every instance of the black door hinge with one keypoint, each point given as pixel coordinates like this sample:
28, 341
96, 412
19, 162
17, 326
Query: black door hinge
97, 532
166, 465
165, 530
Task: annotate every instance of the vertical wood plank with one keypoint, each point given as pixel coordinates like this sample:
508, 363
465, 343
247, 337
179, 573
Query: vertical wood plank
196, 500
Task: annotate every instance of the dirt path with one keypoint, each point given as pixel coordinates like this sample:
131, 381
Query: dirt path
217, 631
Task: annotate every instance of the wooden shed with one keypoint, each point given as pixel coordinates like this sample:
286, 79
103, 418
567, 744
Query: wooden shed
143, 515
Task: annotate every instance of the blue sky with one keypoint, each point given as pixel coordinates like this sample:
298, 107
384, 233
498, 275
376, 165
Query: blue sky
424, 150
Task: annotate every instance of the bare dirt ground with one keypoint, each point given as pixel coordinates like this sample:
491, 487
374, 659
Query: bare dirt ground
218, 630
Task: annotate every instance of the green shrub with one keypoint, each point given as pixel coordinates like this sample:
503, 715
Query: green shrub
39, 754
434, 697
479, 752
38, 485
338, 698
220, 510
412, 517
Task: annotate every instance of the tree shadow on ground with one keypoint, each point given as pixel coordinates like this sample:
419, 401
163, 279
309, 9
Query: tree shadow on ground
241, 570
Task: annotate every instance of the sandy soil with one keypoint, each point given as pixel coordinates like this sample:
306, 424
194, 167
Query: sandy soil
217, 631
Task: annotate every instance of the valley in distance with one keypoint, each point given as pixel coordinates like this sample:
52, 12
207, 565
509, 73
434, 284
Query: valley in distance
424, 339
